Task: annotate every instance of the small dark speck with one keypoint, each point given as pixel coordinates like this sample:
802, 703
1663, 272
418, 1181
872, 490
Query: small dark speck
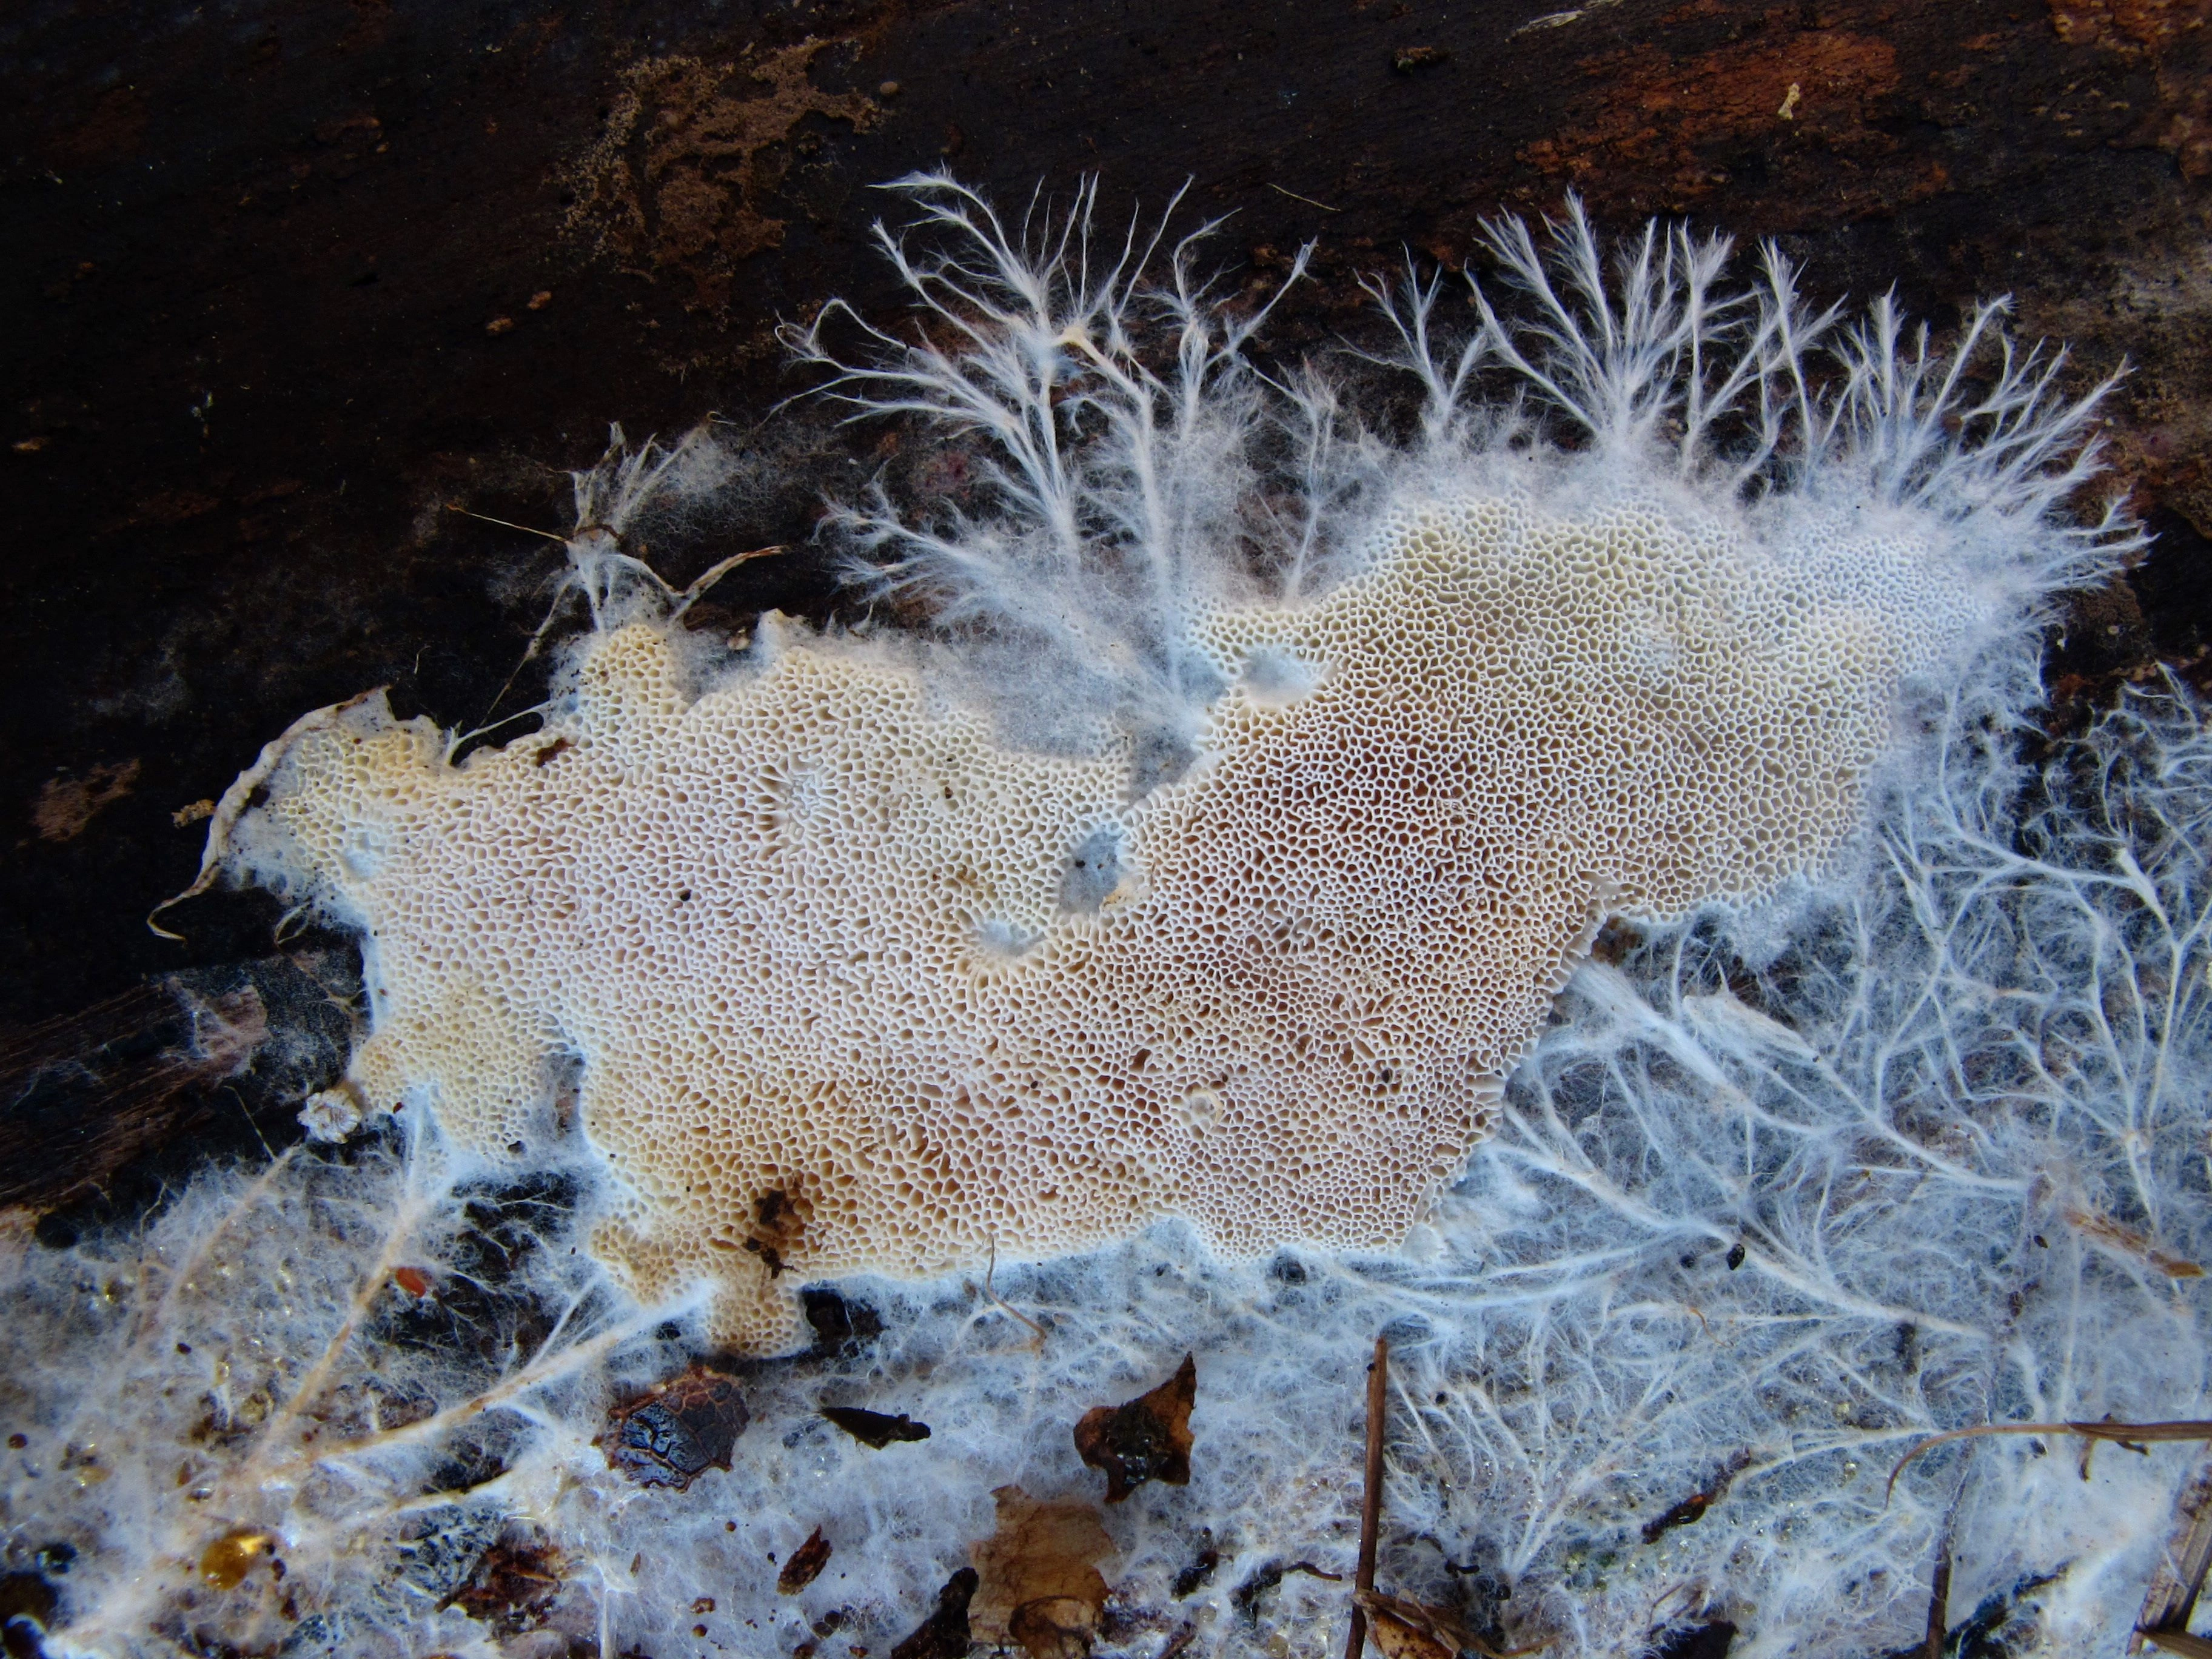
1735, 1255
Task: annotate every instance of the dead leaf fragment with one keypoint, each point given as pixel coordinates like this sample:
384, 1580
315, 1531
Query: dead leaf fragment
804, 1564
1409, 1630
676, 1433
1147, 1438
1397, 1640
1040, 1585
1054, 1627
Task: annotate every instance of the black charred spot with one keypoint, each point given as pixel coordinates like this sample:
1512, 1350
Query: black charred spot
840, 1327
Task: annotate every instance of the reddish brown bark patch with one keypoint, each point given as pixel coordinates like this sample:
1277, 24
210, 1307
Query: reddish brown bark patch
1686, 124
691, 151
2175, 38
513, 1584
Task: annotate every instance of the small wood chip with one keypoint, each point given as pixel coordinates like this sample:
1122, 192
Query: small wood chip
805, 1565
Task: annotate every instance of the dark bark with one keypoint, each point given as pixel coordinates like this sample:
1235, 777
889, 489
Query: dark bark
277, 299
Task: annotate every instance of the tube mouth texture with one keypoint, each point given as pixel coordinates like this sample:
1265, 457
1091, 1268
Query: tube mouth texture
1185, 943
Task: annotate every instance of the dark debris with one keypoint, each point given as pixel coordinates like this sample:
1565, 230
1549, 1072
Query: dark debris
876, 1429
805, 1565
943, 1634
1147, 1438
676, 1433
514, 1581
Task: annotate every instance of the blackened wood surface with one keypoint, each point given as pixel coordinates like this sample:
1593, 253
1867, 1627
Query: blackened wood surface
282, 280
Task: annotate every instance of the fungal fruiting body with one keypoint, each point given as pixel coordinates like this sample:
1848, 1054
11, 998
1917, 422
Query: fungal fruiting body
1227, 854
848, 981
854, 986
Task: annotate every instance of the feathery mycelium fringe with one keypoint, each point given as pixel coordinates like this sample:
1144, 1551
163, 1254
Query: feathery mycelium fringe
1132, 450
1115, 415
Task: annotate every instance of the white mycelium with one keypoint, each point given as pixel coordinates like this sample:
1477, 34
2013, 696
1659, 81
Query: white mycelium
1222, 875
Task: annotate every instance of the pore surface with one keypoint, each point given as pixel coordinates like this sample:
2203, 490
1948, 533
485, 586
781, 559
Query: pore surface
852, 987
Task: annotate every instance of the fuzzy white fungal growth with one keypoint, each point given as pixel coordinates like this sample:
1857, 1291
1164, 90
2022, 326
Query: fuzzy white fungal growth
853, 985
1887, 1116
1750, 1226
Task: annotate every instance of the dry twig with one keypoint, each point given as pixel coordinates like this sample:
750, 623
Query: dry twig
2130, 1434
1371, 1502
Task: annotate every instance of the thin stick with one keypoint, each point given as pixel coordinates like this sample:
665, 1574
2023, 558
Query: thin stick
1370, 1501
991, 1296
1308, 200
2180, 1642
504, 524
715, 573
1939, 1597
2179, 1579
2126, 1434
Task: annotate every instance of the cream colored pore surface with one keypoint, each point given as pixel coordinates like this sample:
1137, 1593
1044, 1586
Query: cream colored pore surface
854, 988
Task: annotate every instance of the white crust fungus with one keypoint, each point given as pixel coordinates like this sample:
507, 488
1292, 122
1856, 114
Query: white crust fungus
851, 955
855, 988
848, 978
